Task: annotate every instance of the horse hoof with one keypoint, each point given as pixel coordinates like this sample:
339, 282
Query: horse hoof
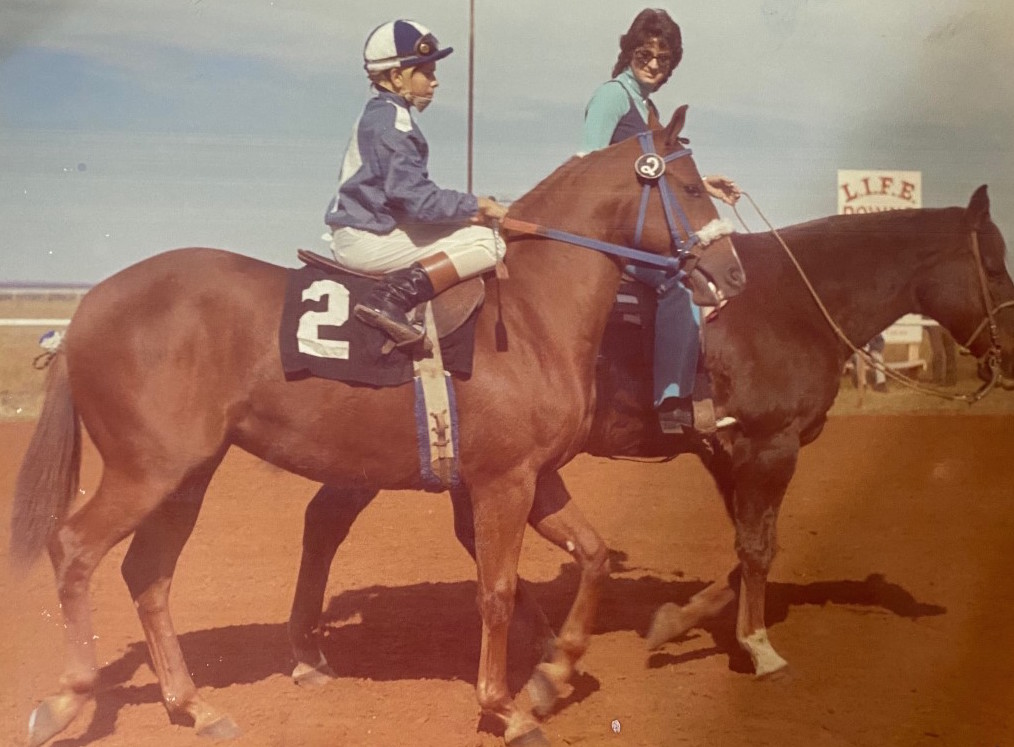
779, 674
543, 693
668, 624
50, 717
222, 727
533, 738
306, 675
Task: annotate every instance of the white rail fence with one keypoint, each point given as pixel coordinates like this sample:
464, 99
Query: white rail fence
34, 322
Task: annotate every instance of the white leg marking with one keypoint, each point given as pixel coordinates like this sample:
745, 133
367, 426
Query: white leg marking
765, 659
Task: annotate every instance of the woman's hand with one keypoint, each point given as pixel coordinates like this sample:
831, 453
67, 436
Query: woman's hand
722, 188
489, 210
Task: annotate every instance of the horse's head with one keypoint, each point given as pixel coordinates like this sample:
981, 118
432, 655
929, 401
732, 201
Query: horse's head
991, 323
964, 284
676, 215
644, 193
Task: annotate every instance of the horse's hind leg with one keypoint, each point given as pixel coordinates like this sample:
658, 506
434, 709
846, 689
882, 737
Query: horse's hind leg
671, 621
119, 505
557, 518
148, 569
327, 520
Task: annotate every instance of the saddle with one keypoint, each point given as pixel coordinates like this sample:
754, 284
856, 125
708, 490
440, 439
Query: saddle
451, 308
434, 411
635, 305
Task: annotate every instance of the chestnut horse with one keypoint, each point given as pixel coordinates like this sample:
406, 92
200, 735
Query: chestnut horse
170, 362
776, 364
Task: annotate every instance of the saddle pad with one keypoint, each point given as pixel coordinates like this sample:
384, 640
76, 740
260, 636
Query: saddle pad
319, 336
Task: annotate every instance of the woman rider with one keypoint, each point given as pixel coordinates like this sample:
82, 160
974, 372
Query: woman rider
388, 215
621, 108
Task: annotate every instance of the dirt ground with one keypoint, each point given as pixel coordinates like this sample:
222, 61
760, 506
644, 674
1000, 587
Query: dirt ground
889, 599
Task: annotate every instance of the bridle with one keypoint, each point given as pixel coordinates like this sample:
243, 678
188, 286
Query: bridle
991, 357
649, 168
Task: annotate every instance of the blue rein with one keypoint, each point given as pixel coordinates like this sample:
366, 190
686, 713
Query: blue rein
650, 168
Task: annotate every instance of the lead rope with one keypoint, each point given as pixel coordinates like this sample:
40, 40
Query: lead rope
992, 357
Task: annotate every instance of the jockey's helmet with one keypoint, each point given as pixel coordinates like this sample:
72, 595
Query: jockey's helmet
400, 43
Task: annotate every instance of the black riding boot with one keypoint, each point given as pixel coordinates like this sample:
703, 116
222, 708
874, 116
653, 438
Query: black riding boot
387, 305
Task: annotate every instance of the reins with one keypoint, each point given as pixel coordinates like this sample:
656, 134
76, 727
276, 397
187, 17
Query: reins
669, 264
992, 356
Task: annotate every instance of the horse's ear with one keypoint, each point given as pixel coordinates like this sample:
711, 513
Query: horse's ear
977, 212
675, 127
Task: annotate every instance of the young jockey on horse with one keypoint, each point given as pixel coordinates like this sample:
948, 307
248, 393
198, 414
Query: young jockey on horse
387, 215
621, 108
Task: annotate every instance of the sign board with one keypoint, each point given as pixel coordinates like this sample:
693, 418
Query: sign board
874, 191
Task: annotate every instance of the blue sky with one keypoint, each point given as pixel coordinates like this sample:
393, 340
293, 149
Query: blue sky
132, 126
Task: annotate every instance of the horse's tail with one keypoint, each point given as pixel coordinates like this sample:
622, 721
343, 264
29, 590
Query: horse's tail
48, 479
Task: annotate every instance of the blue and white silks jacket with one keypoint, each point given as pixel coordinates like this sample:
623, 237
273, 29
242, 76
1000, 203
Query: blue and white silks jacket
384, 181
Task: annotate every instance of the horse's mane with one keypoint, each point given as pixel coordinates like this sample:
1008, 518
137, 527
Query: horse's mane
921, 219
833, 247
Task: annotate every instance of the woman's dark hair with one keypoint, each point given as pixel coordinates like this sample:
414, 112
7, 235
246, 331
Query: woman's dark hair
650, 23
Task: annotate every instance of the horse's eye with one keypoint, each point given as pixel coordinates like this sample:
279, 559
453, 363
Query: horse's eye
693, 190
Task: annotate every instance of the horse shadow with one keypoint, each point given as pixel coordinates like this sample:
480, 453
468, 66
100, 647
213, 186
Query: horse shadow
432, 630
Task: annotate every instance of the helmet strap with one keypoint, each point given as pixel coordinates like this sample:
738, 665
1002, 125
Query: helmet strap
385, 81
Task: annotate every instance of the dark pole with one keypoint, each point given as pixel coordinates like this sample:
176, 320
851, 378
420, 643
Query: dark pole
471, 79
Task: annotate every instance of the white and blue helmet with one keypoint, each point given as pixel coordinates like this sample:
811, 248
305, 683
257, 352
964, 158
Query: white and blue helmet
400, 43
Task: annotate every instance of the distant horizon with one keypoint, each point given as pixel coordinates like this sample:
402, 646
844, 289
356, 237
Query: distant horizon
30, 284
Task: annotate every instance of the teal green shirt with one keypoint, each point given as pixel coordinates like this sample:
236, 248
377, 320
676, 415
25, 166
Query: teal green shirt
608, 105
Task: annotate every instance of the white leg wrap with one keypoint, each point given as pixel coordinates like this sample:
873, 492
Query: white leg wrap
765, 659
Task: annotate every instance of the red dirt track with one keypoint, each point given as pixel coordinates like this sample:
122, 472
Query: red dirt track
890, 599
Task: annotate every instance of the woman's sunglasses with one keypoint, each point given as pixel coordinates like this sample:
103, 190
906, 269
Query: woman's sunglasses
643, 56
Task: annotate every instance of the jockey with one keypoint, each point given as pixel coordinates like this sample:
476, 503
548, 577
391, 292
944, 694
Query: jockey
388, 216
619, 109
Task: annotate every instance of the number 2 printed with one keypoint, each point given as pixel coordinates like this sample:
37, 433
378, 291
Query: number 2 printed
335, 315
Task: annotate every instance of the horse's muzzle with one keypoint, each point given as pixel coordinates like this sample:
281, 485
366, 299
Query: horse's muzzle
715, 275
708, 290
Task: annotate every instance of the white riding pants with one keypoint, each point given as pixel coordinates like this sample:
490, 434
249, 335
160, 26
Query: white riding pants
471, 249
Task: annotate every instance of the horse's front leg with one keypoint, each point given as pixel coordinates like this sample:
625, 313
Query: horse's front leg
763, 469
529, 617
557, 518
501, 506
326, 523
